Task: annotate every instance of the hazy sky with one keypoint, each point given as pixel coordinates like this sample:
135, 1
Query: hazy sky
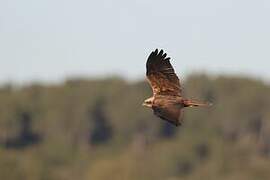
50, 40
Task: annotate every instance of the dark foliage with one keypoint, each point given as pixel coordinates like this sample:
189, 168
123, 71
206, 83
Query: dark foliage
101, 131
25, 137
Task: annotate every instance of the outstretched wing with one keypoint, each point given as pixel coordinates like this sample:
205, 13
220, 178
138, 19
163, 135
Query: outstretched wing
170, 113
161, 75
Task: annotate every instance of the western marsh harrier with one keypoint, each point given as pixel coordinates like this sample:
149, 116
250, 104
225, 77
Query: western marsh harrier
167, 101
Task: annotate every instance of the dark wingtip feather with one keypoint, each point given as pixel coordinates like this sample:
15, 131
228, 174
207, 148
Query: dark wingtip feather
160, 53
167, 59
164, 55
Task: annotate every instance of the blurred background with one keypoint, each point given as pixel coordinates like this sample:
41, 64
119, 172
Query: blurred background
72, 81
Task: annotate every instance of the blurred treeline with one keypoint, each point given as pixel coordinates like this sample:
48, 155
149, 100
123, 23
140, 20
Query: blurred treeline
97, 129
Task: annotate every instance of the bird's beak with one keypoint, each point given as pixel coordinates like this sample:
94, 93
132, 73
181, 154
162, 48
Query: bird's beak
143, 104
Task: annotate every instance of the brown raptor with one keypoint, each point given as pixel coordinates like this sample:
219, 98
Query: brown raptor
167, 101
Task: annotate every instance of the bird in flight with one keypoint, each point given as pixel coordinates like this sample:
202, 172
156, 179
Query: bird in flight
167, 101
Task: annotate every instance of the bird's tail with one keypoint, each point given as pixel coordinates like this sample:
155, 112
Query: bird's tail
191, 103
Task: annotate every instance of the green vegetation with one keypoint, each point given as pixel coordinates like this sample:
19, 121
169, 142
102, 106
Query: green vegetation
97, 129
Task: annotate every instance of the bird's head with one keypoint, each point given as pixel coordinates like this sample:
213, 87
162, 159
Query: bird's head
148, 102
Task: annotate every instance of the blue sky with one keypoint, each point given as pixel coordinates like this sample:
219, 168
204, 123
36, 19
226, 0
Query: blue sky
55, 39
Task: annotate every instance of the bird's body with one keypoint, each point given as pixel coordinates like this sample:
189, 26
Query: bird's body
167, 101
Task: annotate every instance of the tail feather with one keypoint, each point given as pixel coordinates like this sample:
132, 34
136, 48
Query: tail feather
191, 103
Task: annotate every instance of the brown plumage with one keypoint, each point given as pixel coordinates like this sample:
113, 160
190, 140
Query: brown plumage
167, 101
